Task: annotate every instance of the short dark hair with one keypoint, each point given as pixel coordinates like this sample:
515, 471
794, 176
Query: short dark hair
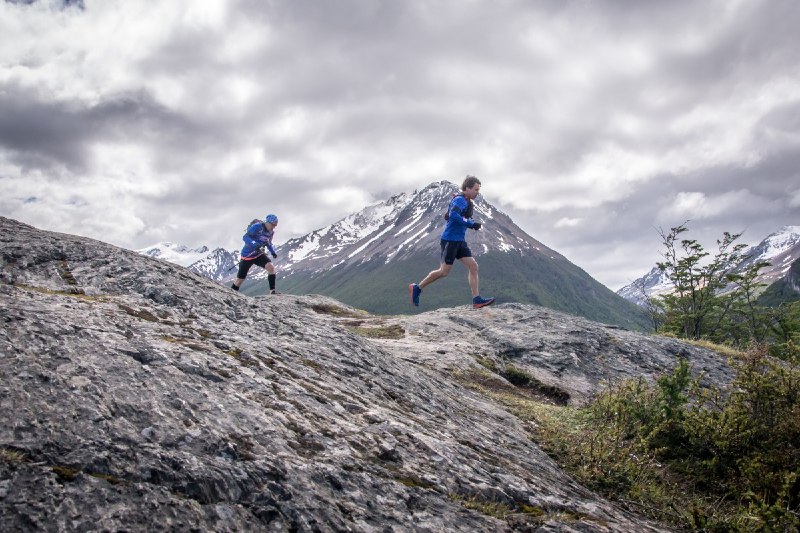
469, 182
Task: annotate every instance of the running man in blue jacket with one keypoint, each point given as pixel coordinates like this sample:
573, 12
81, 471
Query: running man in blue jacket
258, 236
454, 244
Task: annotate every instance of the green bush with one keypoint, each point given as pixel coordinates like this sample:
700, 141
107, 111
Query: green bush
709, 459
746, 445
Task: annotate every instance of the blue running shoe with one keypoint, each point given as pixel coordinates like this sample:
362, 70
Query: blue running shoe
479, 302
415, 291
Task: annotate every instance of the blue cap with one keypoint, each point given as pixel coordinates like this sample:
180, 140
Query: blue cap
271, 219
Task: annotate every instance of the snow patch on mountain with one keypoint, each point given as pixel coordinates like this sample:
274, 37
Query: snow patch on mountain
485, 211
413, 238
504, 246
373, 239
178, 254
782, 240
775, 246
307, 246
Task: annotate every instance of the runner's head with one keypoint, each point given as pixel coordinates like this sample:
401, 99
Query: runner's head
471, 187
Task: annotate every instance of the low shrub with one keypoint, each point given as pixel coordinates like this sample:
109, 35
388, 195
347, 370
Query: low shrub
706, 459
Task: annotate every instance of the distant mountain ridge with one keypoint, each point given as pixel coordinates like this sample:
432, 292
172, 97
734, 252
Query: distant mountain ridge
781, 249
178, 254
654, 283
785, 290
217, 265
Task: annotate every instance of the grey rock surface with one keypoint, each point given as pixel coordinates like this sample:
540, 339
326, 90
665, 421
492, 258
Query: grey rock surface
571, 357
138, 396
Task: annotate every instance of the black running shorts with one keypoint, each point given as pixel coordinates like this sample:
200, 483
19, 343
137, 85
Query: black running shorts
452, 250
244, 266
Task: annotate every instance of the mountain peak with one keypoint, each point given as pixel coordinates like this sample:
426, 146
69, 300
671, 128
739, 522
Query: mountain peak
789, 229
783, 239
441, 184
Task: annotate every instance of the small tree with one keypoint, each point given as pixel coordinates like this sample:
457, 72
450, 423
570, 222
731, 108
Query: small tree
697, 281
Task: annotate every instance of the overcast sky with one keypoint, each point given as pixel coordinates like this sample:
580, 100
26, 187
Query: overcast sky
591, 123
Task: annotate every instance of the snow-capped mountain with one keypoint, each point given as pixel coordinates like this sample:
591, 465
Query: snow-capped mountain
403, 225
781, 249
219, 265
175, 253
653, 283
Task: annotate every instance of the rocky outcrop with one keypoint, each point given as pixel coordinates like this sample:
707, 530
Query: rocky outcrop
570, 357
136, 395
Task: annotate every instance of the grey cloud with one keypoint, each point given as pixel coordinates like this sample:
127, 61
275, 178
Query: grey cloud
783, 120
41, 133
46, 134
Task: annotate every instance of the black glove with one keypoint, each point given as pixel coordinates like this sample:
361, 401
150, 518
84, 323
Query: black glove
476, 226
274, 255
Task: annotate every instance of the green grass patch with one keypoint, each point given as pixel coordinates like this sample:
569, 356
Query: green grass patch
109, 478
312, 364
66, 273
520, 378
488, 508
189, 343
243, 358
486, 363
72, 293
694, 459
144, 314
206, 334
508, 382
69, 474
521, 512
337, 311
11, 456
722, 349
65, 473
414, 482
393, 331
